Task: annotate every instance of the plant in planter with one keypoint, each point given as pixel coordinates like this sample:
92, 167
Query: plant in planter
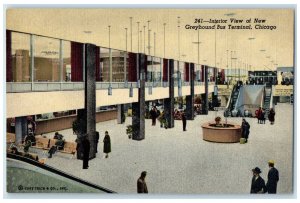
130, 129
218, 121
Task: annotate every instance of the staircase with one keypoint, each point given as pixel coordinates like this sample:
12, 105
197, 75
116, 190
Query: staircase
234, 98
267, 99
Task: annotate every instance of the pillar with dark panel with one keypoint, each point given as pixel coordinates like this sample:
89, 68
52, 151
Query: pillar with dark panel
215, 93
204, 97
88, 114
190, 98
169, 102
20, 128
120, 114
138, 108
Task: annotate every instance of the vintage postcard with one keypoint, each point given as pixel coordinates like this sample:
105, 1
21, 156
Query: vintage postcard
164, 101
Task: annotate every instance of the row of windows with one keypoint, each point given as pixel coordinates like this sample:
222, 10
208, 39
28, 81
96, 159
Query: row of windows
43, 59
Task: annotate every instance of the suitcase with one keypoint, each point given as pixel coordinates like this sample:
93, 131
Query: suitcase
242, 141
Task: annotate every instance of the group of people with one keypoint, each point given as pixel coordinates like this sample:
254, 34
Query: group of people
258, 185
260, 115
261, 118
86, 148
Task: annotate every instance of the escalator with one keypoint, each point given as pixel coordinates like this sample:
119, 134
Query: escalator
232, 101
267, 100
28, 176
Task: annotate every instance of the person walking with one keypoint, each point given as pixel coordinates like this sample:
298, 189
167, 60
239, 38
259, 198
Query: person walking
97, 136
273, 178
107, 144
245, 130
183, 118
153, 114
141, 183
86, 152
258, 184
258, 115
271, 116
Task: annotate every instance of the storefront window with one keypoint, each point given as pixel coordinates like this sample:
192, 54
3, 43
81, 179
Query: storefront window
66, 55
181, 70
118, 58
104, 65
46, 59
20, 56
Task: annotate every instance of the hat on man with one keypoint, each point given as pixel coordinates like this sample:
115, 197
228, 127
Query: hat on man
256, 170
271, 162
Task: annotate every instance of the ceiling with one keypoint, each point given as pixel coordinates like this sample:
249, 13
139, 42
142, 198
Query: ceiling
267, 50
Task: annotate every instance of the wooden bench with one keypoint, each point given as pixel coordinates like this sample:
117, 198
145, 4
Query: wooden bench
27, 155
41, 142
69, 147
10, 138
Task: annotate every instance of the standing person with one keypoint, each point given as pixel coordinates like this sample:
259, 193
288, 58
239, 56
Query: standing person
245, 130
97, 136
107, 145
271, 116
258, 184
263, 119
86, 152
258, 115
183, 118
153, 114
141, 183
273, 178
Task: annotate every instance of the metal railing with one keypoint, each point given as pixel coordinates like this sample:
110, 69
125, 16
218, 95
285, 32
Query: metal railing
17, 87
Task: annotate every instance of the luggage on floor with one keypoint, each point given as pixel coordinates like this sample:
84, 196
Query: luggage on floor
242, 140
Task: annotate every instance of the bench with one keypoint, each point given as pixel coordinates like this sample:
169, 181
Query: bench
28, 155
41, 142
69, 147
10, 138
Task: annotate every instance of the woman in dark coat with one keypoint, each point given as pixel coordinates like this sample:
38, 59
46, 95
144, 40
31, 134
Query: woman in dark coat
245, 130
107, 145
272, 116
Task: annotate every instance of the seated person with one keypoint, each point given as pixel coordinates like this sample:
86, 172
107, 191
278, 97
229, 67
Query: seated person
15, 151
58, 136
59, 145
30, 137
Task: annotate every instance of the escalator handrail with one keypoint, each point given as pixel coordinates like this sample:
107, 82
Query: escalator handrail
56, 171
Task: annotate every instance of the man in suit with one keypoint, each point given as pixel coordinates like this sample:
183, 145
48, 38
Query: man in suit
258, 184
273, 178
141, 184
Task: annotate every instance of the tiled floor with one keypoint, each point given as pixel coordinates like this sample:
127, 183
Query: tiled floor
180, 162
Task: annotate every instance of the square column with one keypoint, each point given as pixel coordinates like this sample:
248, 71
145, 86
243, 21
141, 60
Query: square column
20, 128
204, 97
138, 108
88, 114
121, 116
169, 102
190, 98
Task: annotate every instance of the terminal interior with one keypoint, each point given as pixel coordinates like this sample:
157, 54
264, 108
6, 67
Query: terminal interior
82, 72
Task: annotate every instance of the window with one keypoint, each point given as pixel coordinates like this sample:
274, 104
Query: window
20, 57
66, 55
104, 65
46, 59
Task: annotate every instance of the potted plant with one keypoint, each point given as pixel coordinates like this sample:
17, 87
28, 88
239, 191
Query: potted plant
129, 131
218, 120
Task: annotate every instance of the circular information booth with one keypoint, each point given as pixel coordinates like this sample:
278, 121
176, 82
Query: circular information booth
226, 133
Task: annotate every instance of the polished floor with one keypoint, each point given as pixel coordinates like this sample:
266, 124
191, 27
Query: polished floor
180, 162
